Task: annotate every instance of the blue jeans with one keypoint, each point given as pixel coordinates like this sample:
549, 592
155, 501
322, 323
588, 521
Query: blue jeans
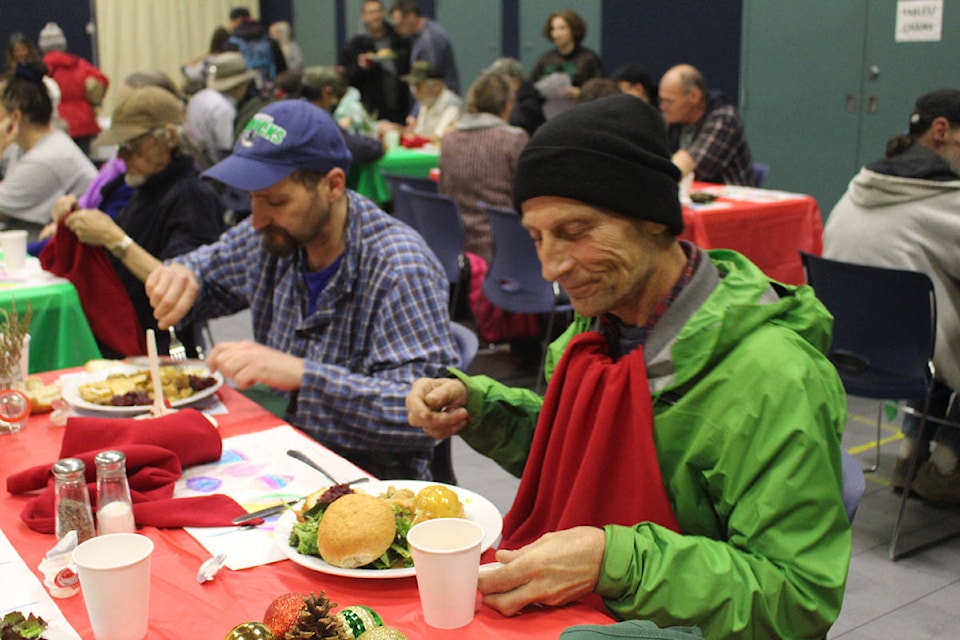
939, 408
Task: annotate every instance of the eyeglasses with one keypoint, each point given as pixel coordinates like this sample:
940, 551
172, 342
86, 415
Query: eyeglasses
130, 146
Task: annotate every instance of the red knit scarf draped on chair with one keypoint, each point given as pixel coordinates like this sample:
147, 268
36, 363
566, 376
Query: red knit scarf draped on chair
592, 460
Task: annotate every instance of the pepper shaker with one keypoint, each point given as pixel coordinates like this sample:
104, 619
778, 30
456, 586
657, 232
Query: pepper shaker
72, 502
114, 508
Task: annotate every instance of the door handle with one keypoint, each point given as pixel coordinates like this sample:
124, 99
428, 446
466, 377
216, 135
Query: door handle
850, 103
872, 104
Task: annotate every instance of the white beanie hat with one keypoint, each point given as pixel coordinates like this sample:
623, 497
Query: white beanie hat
51, 37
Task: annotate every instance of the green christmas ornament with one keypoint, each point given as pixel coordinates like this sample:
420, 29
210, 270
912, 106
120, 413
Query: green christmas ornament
356, 620
383, 633
250, 631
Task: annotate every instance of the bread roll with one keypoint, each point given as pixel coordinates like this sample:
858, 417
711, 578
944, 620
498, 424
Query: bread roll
355, 530
41, 395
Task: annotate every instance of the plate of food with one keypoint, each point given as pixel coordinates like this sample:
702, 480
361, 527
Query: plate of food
364, 536
126, 389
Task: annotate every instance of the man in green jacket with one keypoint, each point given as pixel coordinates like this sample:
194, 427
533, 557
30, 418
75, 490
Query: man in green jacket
684, 464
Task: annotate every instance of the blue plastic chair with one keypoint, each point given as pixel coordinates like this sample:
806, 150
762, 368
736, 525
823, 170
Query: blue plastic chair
401, 207
436, 217
883, 337
467, 346
760, 173
514, 280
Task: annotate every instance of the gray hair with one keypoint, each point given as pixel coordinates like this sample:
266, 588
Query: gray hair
510, 67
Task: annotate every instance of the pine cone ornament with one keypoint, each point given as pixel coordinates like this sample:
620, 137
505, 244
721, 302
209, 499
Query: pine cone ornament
295, 616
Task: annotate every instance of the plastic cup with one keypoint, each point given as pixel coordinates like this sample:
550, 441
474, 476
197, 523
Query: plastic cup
14, 245
391, 139
114, 573
446, 556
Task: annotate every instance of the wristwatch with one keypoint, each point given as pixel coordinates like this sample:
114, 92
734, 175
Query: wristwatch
120, 249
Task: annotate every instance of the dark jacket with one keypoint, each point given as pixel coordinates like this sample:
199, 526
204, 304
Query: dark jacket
171, 214
527, 110
383, 93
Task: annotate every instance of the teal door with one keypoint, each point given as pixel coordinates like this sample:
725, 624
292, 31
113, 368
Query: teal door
824, 85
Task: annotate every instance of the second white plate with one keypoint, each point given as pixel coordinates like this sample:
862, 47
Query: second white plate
475, 507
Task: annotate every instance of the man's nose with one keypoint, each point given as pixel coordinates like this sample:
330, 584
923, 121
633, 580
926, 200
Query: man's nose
553, 260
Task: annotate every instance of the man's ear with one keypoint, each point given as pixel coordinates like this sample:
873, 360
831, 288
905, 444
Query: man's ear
337, 180
939, 128
170, 135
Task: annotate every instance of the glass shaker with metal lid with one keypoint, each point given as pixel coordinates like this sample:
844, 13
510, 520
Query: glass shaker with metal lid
114, 508
72, 502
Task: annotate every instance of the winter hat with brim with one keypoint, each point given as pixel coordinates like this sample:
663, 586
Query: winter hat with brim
228, 70
611, 153
140, 111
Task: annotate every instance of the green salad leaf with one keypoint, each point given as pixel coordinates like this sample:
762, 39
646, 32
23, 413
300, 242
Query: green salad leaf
15, 626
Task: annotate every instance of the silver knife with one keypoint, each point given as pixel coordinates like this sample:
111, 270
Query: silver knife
304, 458
263, 513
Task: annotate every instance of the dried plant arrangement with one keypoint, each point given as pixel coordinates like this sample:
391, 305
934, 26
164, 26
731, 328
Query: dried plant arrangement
13, 330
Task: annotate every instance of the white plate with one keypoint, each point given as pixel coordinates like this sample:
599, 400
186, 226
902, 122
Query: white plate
475, 508
70, 390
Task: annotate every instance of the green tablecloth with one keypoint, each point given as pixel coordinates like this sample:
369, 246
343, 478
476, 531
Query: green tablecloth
60, 336
366, 180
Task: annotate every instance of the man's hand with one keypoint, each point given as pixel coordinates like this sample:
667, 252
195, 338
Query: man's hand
436, 406
94, 227
247, 363
557, 569
684, 161
172, 290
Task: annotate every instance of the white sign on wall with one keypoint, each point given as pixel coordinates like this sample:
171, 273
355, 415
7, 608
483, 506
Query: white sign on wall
919, 20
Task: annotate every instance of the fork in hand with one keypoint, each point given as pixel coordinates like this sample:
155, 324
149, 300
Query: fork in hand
177, 351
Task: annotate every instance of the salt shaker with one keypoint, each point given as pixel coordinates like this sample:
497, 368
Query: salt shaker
72, 501
114, 509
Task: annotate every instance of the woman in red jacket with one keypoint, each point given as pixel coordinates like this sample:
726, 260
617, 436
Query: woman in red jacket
82, 85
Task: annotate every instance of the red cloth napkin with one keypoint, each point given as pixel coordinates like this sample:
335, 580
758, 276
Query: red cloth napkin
414, 142
104, 300
157, 451
594, 437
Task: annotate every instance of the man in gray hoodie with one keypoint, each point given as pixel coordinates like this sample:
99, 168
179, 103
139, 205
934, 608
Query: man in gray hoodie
903, 212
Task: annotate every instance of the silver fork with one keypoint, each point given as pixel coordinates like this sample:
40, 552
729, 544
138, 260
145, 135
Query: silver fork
177, 350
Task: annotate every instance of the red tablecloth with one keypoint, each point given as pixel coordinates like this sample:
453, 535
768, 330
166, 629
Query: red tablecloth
769, 233
181, 607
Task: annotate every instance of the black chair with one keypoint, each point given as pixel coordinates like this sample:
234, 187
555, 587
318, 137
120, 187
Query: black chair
514, 281
467, 346
883, 337
436, 217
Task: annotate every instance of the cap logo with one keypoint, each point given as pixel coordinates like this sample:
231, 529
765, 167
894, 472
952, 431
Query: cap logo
262, 126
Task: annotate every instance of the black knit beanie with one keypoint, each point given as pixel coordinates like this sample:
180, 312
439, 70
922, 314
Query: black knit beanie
611, 153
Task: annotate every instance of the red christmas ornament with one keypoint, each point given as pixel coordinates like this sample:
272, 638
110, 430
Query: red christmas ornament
283, 613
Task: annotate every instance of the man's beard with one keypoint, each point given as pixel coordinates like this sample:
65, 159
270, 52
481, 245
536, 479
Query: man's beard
278, 242
282, 244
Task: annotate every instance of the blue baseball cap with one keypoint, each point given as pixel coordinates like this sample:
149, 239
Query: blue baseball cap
282, 137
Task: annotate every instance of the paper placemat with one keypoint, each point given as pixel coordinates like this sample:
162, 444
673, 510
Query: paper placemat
256, 471
21, 590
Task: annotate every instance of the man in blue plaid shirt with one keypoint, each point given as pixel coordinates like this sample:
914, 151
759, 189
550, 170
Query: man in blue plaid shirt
349, 305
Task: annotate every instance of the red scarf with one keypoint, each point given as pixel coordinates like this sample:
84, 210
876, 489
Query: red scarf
104, 300
592, 460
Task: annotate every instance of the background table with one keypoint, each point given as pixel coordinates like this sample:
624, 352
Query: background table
60, 336
366, 179
181, 607
769, 227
